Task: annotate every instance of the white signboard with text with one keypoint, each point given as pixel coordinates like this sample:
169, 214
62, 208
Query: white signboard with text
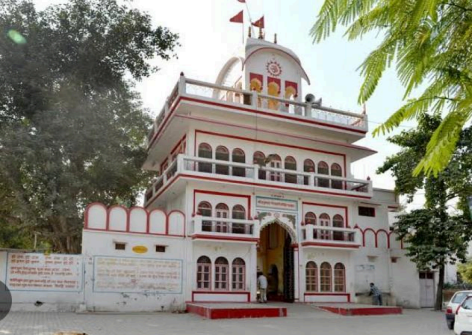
39, 272
137, 275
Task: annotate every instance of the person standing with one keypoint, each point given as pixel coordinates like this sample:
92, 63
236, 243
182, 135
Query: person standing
374, 291
262, 282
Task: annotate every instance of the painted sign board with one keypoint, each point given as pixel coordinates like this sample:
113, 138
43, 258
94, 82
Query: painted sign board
39, 272
277, 204
137, 275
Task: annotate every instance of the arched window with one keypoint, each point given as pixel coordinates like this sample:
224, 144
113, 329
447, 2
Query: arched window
222, 154
337, 171
259, 159
239, 157
221, 274
339, 278
338, 222
290, 164
222, 211
204, 209
325, 277
238, 274
239, 213
204, 273
308, 166
311, 277
310, 218
205, 151
275, 163
325, 221
323, 168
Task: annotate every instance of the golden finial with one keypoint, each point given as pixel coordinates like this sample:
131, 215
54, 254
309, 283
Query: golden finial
275, 38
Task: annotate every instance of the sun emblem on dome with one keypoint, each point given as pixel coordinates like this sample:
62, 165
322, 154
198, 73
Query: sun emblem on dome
274, 68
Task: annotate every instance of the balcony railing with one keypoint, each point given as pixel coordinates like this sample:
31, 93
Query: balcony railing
330, 235
222, 227
259, 101
255, 173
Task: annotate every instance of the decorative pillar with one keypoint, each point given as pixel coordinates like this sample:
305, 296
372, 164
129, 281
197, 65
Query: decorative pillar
296, 267
251, 275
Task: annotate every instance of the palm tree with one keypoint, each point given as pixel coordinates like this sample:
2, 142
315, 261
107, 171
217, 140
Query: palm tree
429, 41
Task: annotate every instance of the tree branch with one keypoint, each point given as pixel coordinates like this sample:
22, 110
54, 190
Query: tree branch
460, 7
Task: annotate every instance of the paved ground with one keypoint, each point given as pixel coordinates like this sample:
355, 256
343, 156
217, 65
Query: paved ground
301, 320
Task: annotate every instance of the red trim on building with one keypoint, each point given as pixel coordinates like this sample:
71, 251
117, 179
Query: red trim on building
164, 122
217, 312
323, 244
274, 115
197, 131
225, 238
246, 293
178, 144
224, 194
169, 183
346, 211
339, 144
128, 220
281, 51
272, 186
162, 167
386, 234
86, 213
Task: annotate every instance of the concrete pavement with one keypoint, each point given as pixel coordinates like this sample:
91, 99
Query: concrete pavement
302, 319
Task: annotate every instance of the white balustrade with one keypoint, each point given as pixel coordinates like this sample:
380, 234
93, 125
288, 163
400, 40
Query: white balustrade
337, 235
260, 174
203, 225
273, 104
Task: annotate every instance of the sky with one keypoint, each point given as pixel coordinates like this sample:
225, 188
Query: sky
208, 40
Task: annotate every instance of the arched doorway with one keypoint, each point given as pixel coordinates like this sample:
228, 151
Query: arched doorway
275, 258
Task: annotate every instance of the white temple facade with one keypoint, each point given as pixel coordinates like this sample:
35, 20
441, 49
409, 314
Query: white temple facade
253, 175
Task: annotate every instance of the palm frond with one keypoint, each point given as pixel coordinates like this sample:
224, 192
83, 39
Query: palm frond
443, 142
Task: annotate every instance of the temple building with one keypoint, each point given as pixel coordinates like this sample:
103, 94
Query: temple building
254, 176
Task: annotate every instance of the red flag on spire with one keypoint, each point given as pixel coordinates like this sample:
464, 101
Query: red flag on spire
259, 23
242, 1
238, 18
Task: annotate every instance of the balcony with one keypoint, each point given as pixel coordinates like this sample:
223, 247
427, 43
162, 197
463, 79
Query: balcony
263, 104
330, 237
207, 228
260, 176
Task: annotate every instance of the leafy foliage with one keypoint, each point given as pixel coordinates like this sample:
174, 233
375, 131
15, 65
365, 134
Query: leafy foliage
433, 236
429, 42
72, 129
465, 270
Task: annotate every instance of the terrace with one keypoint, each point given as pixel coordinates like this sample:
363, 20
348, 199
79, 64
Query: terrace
256, 175
194, 91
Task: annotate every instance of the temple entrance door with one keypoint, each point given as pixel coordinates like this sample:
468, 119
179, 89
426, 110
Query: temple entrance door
275, 258
289, 280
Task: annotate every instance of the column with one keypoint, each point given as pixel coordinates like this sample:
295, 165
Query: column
296, 267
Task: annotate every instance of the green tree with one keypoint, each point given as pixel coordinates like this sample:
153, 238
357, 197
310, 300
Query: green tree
465, 270
72, 128
429, 42
433, 236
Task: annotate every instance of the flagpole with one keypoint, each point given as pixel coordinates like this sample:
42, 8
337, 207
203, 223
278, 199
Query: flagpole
250, 19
